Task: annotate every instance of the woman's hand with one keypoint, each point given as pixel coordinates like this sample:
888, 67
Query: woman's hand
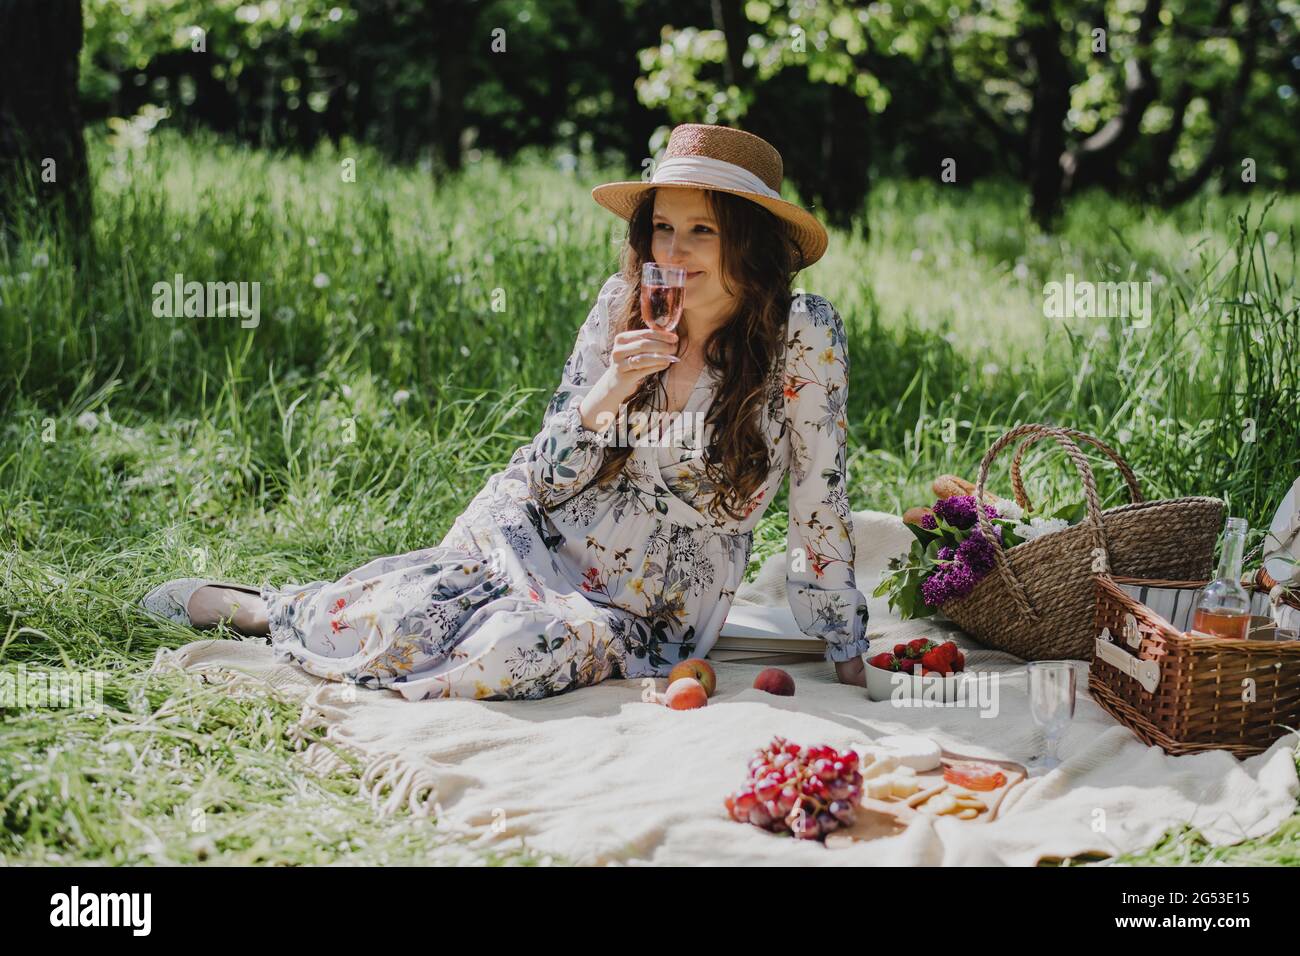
634, 355
637, 353
852, 671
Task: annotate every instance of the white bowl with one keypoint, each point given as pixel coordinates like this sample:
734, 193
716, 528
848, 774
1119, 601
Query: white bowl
894, 685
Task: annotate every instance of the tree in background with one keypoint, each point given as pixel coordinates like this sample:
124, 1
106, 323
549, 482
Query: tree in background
418, 79
42, 146
1144, 97
1152, 99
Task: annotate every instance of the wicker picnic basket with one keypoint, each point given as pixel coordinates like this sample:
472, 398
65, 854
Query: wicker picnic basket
1037, 601
1189, 694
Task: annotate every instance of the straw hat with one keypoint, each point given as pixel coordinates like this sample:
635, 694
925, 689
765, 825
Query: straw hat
728, 160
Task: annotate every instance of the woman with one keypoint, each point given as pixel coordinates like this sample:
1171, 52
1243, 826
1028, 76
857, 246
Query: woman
590, 556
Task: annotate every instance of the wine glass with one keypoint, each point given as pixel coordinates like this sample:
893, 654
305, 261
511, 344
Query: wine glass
1051, 704
663, 291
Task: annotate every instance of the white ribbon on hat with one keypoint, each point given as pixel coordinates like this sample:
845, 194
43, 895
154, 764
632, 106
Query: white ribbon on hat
714, 172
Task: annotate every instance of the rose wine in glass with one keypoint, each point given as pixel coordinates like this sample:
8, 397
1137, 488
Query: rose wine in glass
663, 289
1223, 606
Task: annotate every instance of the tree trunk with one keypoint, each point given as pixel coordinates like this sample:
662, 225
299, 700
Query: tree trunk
453, 26
1229, 113
42, 147
845, 158
1046, 140
1096, 159
1159, 170
729, 17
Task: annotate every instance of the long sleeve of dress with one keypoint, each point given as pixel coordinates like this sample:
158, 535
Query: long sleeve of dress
823, 594
565, 455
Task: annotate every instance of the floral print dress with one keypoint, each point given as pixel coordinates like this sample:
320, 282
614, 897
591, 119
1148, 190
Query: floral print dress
548, 581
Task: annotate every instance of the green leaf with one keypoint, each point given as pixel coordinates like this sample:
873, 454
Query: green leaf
1073, 512
909, 596
1010, 539
923, 535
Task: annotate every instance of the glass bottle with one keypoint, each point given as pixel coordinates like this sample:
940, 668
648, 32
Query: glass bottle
1222, 607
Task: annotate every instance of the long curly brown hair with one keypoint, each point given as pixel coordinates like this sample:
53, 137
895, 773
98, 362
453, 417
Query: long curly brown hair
760, 260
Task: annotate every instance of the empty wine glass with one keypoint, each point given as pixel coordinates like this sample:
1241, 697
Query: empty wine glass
1051, 704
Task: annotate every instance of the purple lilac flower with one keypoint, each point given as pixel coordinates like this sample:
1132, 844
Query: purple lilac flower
954, 581
928, 522
976, 552
947, 554
934, 589
959, 510
961, 580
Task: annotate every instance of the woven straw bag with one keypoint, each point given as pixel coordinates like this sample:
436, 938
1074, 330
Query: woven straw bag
1038, 599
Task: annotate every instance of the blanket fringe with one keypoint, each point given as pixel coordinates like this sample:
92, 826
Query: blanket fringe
408, 784
167, 660
405, 781
315, 715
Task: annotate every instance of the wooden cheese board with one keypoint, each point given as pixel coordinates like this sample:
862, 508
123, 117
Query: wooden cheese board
937, 799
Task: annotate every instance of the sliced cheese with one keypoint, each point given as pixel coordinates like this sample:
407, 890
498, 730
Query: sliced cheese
881, 788
904, 785
899, 782
883, 764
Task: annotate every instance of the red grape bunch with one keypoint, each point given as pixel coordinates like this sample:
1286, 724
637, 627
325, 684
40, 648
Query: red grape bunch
807, 791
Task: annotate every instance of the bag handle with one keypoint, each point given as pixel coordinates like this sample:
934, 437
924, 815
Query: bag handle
1001, 566
1135, 493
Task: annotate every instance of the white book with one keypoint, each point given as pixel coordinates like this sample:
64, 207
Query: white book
772, 629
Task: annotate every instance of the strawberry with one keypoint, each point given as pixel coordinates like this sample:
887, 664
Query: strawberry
906, 664
917, 647
900, 650
941, 658
885, 661
955, 655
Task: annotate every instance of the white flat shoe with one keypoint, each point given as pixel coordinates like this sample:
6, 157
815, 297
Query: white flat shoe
171, 599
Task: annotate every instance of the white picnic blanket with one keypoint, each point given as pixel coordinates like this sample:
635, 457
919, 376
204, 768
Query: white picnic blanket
598, 776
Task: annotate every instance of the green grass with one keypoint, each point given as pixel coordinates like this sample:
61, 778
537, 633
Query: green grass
135, 448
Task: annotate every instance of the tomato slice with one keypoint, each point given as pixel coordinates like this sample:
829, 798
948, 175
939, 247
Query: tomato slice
974, 774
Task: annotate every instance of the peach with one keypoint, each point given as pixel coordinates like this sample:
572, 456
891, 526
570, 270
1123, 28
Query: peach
775, 681
685, 693
698, 668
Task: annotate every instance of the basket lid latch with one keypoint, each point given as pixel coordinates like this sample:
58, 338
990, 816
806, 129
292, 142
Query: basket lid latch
1147, 673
